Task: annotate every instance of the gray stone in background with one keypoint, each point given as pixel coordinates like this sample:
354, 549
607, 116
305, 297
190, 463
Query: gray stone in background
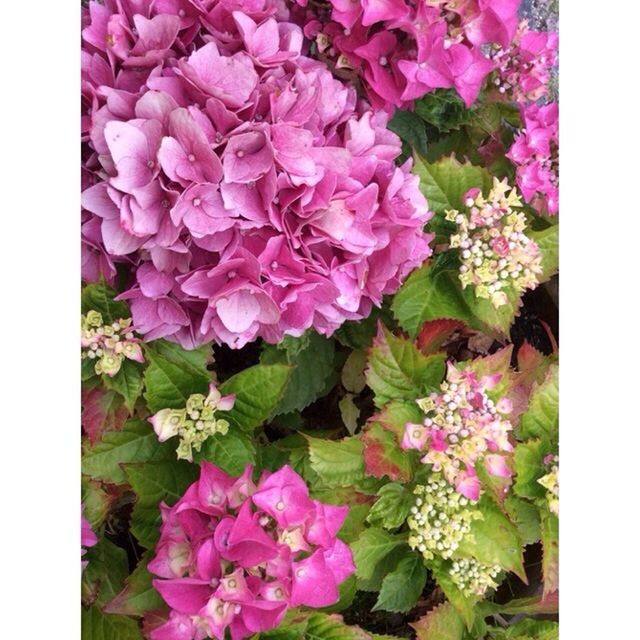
541, 14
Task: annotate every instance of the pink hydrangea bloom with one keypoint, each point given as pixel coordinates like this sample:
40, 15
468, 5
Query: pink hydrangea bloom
402, 49
249, 192
462, 425
535, 154
87, 537
233, 555
523, 70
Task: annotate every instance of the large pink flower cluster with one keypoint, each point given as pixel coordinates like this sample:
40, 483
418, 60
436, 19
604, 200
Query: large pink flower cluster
249, 191
402, 49
235, 555
535, 154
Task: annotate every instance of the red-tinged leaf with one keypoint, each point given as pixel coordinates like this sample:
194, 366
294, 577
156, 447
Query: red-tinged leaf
550, 554
153, 619
530, 359
382, 456
529, 606
103, 410
396, 414
434, 333
442, 623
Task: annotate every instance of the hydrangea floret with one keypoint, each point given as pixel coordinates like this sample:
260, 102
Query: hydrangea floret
87, 537
402, 49
523, 69
550, 482
462, 425
108, 344
233, 555
535, 154
439, 519
495, 252
245, 190
195, 422
472, 577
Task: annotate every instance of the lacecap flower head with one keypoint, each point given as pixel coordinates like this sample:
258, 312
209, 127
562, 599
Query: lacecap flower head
233, 555
108, 344
247, 191
495, 252
462, 426
195, 422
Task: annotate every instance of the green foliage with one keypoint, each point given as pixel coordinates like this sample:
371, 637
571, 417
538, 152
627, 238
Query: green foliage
173, 374
312, 368
550, 552
232, 452
382, 455
392, 506
547, 241
402, 587
411, 130
95, 501
257, 390
541, 418
337, 463
397, 370
443, 109
442, 623
104, 575
137, 442
127, 382
102, 626
99, 297
375, 553
529, 467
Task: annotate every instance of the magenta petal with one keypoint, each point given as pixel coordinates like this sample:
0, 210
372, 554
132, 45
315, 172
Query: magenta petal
313, 583
185, 595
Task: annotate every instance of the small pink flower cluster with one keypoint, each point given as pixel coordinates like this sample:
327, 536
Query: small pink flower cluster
463, 425
87, 537
235, 555
402, 49
249, 192
523, 70
535, 154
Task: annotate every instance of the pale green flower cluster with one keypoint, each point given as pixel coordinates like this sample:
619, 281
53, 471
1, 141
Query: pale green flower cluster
440, 519
108, 344
472, 577
196, 422
495, 252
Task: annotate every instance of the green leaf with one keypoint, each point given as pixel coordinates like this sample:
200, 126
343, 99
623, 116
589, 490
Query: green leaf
101, 626
550, 553
494, 540
312, 368
531, 605
529, 466
443, 109
127, 382
95, 501
137, 442
525, 516
526, 629
349, 413
104, 575
541, 418
258, 391
321, 626
138, 595
430, 293
352, 377
392, 507
174, 374
155, 482
99, 297
231, 452
547, 241
442, 623
410, 128
375, 553
382, 455
397, 370
339, 463
402, 587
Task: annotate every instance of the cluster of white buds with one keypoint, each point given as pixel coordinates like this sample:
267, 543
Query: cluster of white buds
195, 422
108, 344
472, 577
495, 252
550, 482
440, 519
